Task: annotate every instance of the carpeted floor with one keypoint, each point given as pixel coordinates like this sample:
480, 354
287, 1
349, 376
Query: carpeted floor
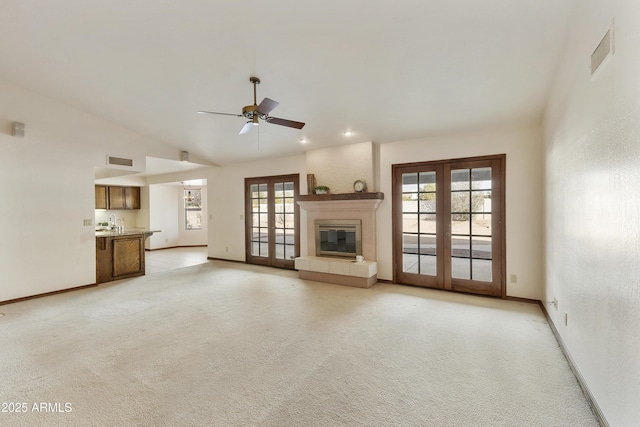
223, 344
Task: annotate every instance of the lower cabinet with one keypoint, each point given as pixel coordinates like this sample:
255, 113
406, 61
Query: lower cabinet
119, 257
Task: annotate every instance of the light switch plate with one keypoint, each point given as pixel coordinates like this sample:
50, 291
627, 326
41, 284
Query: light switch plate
88, 222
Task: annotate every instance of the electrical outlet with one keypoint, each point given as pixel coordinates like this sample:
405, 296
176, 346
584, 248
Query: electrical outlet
88, 222
513, 278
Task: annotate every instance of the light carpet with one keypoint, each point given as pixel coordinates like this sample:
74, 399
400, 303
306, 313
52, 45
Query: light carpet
227, 344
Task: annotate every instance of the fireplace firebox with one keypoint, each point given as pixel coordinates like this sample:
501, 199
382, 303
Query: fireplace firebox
338, 237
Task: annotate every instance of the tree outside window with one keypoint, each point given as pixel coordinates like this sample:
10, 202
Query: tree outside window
193, 209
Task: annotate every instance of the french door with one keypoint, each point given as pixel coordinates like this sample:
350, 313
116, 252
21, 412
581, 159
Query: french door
448, 221
272, 220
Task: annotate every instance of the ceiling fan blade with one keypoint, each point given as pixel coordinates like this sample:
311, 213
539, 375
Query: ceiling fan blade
246, 128
221, 114
267, 105
285, 122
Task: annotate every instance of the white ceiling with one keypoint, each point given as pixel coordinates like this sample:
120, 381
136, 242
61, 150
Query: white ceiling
389, 70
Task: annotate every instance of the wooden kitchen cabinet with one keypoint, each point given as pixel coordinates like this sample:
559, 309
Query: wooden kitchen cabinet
101, 197
117, 197
132, 197
128, 256
119, 257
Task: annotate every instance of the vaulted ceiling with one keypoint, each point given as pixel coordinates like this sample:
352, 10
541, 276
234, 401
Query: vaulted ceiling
386, 70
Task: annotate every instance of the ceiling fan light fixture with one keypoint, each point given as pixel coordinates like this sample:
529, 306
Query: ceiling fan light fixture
256, 112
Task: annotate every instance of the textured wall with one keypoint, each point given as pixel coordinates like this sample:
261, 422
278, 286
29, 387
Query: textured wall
592, 133
47, 190
164, 215
339, 167
226, 202
523, 146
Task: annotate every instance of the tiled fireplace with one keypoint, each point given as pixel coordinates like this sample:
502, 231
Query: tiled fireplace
340, 209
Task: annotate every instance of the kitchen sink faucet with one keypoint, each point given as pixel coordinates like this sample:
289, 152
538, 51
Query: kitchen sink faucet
112, 223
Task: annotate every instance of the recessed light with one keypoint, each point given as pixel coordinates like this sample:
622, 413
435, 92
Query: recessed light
348, 133
303, 140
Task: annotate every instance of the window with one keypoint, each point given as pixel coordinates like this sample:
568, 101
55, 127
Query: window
193, 209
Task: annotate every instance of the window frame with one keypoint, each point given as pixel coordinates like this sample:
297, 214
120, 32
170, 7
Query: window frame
188, 209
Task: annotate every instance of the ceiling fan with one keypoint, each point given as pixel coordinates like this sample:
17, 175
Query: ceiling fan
257, 112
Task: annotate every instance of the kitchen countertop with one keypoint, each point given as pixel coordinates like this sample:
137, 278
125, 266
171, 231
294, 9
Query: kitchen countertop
126, 232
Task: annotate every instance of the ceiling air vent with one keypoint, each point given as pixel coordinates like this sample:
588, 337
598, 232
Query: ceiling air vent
119, 161
602, 52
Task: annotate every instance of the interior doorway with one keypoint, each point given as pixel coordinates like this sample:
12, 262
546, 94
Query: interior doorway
180, 210
272, 220
448, 221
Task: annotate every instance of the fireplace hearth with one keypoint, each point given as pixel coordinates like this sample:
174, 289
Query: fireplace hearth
347, 228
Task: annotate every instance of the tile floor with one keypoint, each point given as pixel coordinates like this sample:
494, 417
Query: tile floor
170, 259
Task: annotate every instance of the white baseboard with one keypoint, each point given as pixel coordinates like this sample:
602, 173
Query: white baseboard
576, 372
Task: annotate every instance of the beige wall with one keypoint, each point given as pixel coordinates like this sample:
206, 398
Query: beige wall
47, 190
522, 145
164, 215
523, 148
226, 201
339, 167
592, 131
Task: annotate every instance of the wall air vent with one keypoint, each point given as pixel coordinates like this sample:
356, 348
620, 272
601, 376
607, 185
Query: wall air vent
119, 161
602, 52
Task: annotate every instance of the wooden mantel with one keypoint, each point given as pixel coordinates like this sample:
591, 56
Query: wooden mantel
340, 196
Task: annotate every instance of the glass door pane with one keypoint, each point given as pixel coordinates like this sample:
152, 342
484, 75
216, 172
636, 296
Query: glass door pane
259, 220
471, 224
419, 244
284, 220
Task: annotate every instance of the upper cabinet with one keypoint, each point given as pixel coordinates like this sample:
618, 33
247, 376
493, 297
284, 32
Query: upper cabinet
132, 197
117, 197
101, 197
